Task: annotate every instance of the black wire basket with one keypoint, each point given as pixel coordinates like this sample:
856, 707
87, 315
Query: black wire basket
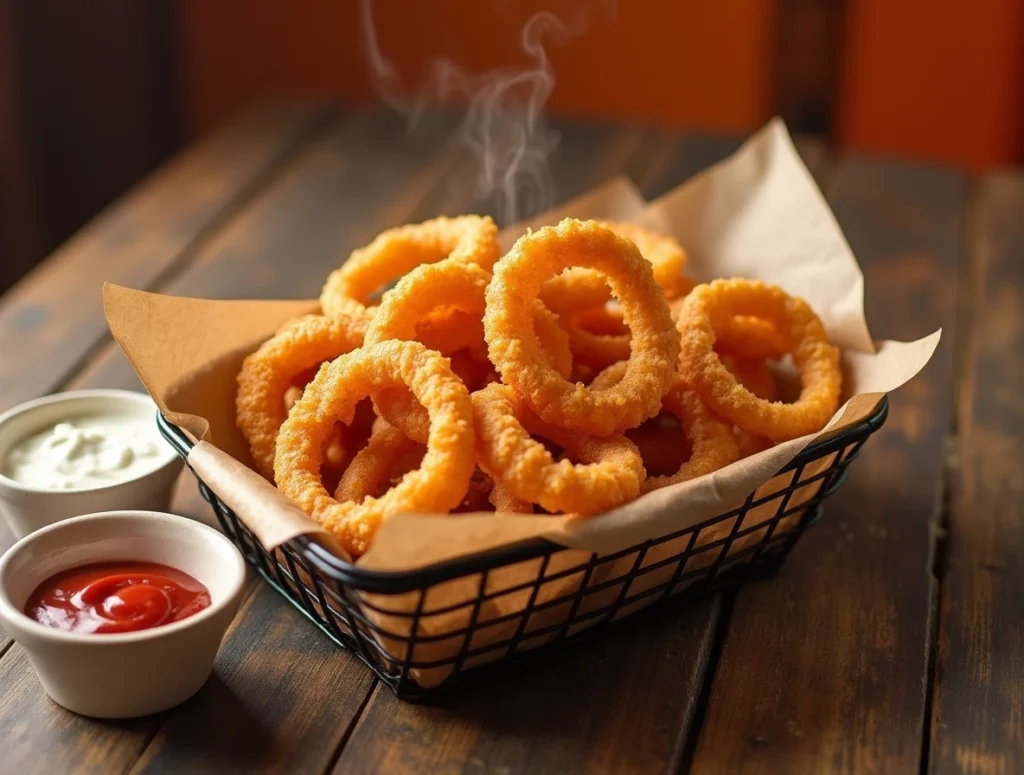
421, 631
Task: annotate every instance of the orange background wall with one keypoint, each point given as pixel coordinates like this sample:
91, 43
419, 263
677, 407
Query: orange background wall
933, 79
684, 62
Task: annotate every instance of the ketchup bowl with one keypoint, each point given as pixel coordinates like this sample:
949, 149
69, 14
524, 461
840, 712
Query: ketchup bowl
138, 481
106, 672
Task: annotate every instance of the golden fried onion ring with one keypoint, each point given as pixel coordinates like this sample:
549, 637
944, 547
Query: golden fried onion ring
442, 478
267, 375
610, 474
469, 238
709, 307
373, 464
460, 287
711, 440
515, 351
579, 288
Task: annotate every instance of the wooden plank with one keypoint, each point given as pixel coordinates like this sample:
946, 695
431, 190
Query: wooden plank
823, 669
41, 737
55, 312
281, 700
632, 720
675, 159
615, 703
978, 703
680, 158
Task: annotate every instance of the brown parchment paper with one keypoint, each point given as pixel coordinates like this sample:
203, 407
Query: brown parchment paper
757, 214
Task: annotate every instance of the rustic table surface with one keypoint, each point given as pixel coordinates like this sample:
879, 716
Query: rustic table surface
892, 641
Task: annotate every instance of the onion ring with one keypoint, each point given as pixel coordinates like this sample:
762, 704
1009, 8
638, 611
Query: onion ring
712, 444
457, 286
505, 502
709, 307
610, 474
373, 464
441, 480
609, 376
597, 350
757, 377
467, 238
453, 331
268, 373
750, 337
743, 335
515, 351
663, 446
711, 441
753, 373
579, 288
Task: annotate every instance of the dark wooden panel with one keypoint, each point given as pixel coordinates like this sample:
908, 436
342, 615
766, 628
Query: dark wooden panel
823, 669
979, 699
100, 116
808, 42
55, 313
21, 231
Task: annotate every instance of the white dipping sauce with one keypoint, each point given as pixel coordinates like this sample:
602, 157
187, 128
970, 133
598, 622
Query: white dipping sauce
87, 452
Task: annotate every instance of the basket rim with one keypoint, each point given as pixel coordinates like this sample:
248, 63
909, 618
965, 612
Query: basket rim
395, 582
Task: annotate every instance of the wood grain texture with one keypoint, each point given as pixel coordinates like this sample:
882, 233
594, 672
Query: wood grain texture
41, 737
615, 703
281, 699
830, 657
55, 312
978, 719
673, 159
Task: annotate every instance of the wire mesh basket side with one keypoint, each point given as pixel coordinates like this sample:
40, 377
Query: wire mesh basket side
423, 630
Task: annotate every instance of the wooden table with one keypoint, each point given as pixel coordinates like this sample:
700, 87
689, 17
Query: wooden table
892, 641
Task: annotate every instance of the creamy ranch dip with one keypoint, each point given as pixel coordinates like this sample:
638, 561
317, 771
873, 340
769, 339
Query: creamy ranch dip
87, 452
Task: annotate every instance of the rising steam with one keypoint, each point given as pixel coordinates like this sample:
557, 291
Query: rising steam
504, 125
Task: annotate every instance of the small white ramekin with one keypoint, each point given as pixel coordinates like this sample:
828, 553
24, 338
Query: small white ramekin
30, 508
122, 675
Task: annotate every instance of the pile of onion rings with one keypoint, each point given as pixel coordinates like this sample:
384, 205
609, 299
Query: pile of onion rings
572, 375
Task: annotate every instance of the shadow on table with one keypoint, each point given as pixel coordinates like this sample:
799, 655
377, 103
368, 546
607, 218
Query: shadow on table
214, 727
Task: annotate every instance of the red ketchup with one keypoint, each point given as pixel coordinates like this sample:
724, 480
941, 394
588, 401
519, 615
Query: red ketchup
116, 597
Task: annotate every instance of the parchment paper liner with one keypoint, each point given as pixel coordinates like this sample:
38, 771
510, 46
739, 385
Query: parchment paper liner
757, 214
